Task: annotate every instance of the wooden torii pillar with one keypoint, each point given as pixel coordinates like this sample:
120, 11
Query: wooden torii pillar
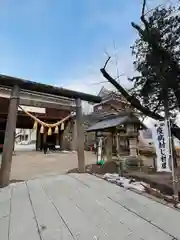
38, 138
74, 135
80, 136
8, 146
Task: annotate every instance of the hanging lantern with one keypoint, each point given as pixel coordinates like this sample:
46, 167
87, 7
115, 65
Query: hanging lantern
35, 125
49, 131
62, 126
56, 131
42, 129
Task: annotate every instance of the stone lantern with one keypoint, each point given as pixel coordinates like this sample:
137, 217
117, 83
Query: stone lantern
132, 134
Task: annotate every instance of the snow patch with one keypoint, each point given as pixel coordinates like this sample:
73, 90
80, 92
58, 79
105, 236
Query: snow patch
124, 182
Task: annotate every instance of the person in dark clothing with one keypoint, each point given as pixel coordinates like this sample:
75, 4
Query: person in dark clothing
45, 148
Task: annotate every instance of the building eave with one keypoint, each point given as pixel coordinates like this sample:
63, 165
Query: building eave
8, 81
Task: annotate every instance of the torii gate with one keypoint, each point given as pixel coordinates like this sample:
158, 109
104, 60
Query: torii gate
17, 84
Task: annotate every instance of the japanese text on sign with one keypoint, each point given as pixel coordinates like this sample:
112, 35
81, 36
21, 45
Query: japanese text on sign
160, 135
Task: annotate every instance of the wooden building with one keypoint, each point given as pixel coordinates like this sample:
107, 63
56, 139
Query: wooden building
125, 127
49, 115
111, 102
10, 117
112, 116
111, 105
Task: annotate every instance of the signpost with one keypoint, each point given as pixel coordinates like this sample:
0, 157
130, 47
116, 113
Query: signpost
164, 150
163, 146
100, 160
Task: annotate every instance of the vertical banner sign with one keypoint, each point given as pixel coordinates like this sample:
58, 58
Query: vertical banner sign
161, 140
99, 151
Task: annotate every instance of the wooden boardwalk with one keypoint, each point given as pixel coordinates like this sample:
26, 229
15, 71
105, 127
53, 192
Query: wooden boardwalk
83, 207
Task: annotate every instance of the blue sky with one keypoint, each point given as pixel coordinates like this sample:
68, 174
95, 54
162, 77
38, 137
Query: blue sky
62, 42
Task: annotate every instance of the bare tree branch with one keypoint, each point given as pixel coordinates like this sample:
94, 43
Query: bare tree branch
138, 28
143, 19
158, 105
106, 53
143, 8
135, 102
107, 62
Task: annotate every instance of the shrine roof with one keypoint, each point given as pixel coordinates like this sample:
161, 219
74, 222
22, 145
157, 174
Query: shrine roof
114, 122
9, 81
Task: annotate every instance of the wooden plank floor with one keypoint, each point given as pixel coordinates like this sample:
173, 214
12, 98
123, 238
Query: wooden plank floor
82, 207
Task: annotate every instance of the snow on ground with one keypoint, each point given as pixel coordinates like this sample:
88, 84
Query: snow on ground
28, 147
124, 182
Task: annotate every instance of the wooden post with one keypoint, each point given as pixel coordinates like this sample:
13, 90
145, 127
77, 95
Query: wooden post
119, 162
9, 137
74, 136
109, 147
80, 136
57, 139
62, 140
38, 139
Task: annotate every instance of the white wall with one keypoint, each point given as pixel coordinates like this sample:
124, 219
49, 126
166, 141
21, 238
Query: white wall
30, 132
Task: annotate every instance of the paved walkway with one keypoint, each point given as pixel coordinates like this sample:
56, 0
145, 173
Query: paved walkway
31, 164
82, 207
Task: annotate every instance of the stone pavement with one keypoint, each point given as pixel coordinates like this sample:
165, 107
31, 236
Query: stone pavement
82, 207
31, 164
